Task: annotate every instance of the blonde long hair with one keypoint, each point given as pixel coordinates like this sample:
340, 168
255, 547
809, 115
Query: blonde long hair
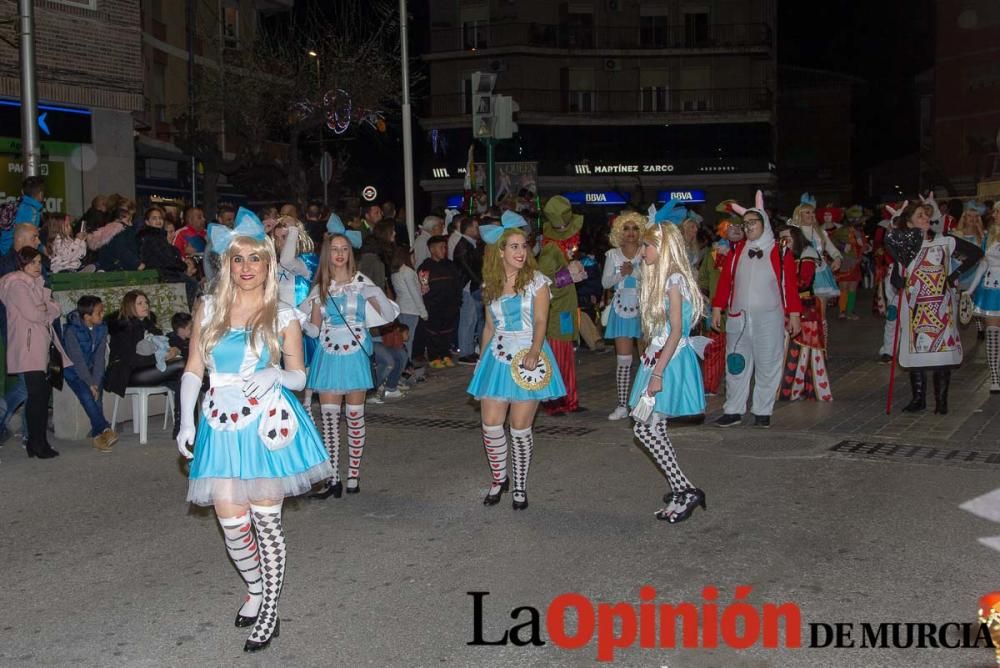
672, 259
494, 276
822, 240
970, 219
324, 275
617, 234
263, 326
305, 243
993, 234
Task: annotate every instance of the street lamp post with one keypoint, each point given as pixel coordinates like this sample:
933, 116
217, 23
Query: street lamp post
30, 150
407, 127
322, 135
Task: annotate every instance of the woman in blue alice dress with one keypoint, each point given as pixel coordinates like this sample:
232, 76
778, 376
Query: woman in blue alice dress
342, 306
670, 375
621, 272
517, 368
254, 444
985, 288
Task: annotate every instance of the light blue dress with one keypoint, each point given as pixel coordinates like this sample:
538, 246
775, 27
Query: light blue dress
623, 319
341, 361
513, 320
986, 296
683, 391
231, 462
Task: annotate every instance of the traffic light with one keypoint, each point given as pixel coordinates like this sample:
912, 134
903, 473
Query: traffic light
504, 108
482, 104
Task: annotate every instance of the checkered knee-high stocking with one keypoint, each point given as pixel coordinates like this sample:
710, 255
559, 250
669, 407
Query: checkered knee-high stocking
242, 548
623, 375
522, 443
355, 442
655, 439
993, 355
271, 542
307, 402
331, 437
495, 442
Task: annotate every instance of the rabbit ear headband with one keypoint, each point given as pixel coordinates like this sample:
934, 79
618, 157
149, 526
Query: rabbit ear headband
894, 213
758, 205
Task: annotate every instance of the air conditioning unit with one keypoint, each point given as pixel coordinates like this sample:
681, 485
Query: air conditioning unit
497, 66
612, 64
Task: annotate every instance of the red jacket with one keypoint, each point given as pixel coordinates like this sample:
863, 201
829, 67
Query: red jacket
784, 274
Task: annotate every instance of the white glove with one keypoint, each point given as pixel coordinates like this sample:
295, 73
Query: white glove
190, 387
260, 382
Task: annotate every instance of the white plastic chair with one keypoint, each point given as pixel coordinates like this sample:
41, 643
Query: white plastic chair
140, 409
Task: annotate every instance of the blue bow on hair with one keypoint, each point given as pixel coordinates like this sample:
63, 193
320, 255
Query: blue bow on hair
668, 213
808, 200
334, 225
508, 221
246, 224
973, 205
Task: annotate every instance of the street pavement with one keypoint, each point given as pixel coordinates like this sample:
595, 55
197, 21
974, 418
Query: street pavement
106, 565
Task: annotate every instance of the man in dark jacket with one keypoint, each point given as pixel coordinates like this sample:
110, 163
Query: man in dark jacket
443, 300
469, 258
85, 340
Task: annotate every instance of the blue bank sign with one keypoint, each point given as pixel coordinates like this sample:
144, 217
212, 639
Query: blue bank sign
599, 198
688, 196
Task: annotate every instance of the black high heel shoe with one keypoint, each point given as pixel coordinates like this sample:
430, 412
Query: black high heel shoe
493, 499
243, 622
43, 454
254, 646
335, 491
687, 500
356, 489
522, 503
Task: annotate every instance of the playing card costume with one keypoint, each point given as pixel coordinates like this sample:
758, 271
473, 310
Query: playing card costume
804, 375
928, 309
756, 290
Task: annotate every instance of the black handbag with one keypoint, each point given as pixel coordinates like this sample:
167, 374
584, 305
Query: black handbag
54, 371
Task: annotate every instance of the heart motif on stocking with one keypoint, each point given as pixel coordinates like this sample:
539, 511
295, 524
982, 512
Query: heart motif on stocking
809, 387
789, 379
795, 352
791, 366
823, 386
786, 393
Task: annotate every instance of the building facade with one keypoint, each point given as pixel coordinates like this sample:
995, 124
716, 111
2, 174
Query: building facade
618, 99
218, 29
966, 99
89, 79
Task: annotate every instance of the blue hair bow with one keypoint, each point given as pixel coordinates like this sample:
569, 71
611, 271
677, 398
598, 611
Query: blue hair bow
973, 205
808, 200
668, 213
246, 224
334, 225
508, 221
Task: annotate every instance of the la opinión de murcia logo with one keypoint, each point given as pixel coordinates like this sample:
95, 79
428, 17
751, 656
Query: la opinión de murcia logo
706, 625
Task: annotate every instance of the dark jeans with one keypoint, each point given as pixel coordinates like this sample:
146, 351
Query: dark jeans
37, 409
170, 378
390, 362
440, 330
91, 407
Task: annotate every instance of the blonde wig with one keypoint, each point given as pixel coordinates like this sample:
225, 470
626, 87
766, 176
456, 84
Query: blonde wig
993, 234
797, 214
494, 274
324, 275
263, 325
971, 223
672, 259
305, 244
617, 234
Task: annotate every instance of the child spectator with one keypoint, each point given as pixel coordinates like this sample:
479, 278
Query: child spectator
180, 338
85, 339
65, 251
443, 300
115, 243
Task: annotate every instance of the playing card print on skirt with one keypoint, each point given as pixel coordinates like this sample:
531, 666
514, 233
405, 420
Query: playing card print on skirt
805, 375
231, 461
341, 363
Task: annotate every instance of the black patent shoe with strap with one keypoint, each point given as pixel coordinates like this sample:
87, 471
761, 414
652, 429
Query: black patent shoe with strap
684, 503
256, 646
493, 499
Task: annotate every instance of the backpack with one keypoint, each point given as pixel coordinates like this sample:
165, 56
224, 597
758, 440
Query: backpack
8, 211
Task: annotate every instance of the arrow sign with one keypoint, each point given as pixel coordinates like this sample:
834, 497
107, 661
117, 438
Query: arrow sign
41, 122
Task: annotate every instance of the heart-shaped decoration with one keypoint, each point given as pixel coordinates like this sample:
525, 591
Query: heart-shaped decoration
234, 416
786, 393
791, 366
824, 385
789, 379
795, 352
820, 372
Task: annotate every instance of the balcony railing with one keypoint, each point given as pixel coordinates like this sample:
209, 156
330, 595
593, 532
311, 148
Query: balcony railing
632, 102
478, 36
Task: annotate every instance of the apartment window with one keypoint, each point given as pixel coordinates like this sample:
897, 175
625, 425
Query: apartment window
653, 32
654, 93
158, 85
467, 95
156, 10
475, 27
82, 4
696, 28
577, 25
580, 96
231, 25
695, 93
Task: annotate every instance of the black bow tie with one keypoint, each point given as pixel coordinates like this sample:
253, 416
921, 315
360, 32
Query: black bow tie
756, 253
